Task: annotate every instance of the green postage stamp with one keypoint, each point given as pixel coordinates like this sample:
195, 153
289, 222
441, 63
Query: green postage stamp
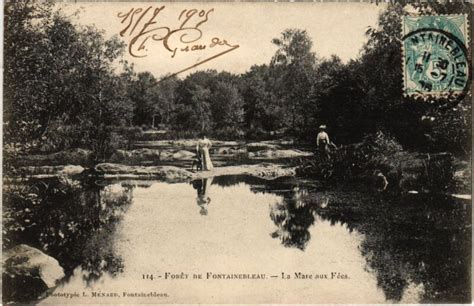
435, 55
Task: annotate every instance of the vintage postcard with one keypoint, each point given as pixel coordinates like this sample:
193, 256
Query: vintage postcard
236, 152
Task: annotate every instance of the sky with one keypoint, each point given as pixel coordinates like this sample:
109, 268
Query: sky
335, 28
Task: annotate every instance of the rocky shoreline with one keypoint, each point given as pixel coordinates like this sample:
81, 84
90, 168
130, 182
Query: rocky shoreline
166, 160
171, 161
156, 152
164, 173
171, 173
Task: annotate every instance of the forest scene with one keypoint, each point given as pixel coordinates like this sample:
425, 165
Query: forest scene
85, 133
82, 101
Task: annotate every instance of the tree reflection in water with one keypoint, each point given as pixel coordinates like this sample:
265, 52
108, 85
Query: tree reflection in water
293, 216
419, 240
72, 221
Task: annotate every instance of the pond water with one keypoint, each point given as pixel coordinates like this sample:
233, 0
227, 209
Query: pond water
251, 240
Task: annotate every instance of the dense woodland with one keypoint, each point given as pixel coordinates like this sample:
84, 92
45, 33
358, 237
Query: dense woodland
63, 90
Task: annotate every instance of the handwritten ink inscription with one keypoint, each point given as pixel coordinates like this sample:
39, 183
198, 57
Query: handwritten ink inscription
142, 27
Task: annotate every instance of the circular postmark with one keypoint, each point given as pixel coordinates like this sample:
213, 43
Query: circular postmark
436, 64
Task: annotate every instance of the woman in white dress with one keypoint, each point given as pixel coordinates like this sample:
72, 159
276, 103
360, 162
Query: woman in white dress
204, 145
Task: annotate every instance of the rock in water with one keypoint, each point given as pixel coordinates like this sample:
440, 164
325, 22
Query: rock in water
291, 153
258, 146
183, 155
71, 170
25, 261
167, 173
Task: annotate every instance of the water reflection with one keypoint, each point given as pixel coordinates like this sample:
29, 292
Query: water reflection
72, 221
203, 200
411, 248
417, 245
421, 241
233, 239
293, 216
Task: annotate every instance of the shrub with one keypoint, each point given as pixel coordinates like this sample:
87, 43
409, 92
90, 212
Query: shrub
63, 137
349, 161
379, 144
353, 160
127, 136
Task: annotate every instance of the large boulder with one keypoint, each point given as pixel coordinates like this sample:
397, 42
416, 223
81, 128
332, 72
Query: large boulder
71, 170
183, 155
270, 171
25, 267
28, 261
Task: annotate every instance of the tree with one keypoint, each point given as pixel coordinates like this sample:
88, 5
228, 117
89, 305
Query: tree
142, 94
336, 101
25, 57
193, 108
261, 107
165, 98
294, 67
227, 106
208, 101
56, 72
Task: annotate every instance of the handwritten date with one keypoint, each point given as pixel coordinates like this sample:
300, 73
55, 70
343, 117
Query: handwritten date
141, 26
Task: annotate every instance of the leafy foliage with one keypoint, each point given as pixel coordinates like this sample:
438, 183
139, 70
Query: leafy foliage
58, 72
62, 90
